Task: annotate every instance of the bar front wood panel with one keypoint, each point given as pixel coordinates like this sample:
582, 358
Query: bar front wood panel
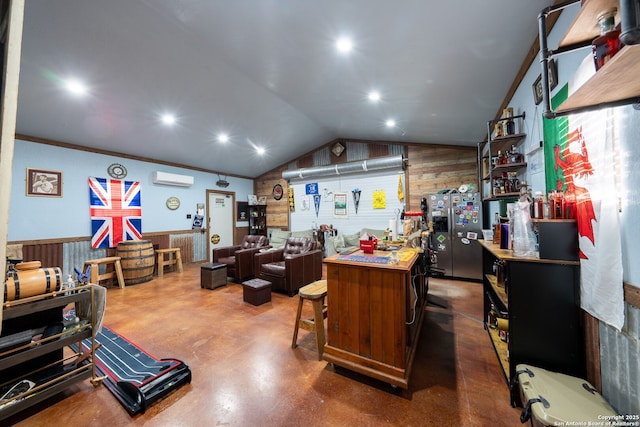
369, 305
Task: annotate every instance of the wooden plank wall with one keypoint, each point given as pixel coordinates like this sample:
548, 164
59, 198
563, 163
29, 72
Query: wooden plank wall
430, 168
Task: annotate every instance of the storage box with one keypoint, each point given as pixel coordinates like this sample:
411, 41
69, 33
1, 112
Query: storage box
558, 239
368, 246
554, 399
256, 291
213, 276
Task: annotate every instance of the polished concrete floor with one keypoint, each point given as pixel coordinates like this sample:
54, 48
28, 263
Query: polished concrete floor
246, 374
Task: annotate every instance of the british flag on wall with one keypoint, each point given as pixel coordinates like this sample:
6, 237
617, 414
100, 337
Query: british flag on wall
116, 212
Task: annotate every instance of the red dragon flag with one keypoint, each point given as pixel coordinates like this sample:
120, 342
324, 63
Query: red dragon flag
116, 212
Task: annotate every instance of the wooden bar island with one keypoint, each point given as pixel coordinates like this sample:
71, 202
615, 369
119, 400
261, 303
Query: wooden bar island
375, 313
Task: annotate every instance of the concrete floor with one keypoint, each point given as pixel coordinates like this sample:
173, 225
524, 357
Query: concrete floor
246, 374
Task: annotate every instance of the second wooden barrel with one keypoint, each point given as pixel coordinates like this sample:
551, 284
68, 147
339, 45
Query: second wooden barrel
137, 261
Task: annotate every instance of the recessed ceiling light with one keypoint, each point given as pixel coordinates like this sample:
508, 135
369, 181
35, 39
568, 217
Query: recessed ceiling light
76, 87
223, 137
260, 150
374, 96
168, 119
390, 123
344, 45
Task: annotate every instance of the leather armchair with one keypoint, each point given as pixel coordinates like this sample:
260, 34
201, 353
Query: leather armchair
292, 267
239, 258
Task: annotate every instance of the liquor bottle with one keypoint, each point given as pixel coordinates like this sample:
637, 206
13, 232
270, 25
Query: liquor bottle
492, 317
607, 44
538, 206
511, 126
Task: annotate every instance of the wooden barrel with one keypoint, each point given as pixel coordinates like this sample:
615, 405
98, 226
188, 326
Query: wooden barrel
29, 282
137, 261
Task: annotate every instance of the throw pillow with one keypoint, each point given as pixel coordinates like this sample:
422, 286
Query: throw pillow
338, 243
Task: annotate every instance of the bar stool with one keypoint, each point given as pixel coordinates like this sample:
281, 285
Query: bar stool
174, 259
94, 273
316, 293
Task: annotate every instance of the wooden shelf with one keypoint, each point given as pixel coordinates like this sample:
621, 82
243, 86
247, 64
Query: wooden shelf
584, 27
499, 290
502, 350
501, 196
616, 80
616, 83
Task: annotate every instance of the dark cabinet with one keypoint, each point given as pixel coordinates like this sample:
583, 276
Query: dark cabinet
258, 220
34, 370
538, 302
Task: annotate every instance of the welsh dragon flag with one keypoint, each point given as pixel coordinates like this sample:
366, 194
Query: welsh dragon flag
116, 213
580, 158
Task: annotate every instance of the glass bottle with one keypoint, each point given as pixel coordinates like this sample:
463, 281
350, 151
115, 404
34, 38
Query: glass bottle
538, 206
492, 317
607, 44
511, 126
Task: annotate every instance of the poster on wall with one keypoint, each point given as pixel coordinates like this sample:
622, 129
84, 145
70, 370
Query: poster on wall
116, 211
379, 199
340, 205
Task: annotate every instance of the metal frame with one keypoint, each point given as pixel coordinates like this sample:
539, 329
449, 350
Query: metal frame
545, 56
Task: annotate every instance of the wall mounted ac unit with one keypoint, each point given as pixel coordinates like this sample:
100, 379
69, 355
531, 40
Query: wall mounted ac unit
165, 178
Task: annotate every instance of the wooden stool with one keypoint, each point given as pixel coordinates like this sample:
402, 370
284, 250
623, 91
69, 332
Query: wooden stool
95, 276
314, 292
174, 259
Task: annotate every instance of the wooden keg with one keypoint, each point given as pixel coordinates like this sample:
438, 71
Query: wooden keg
137, 261
29, 280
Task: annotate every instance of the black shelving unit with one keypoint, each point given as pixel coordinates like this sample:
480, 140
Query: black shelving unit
258, 220
541, 300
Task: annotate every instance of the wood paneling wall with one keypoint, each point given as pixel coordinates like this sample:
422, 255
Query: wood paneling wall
436, 167
431, 168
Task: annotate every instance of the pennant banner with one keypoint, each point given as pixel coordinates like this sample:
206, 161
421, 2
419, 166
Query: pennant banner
116, 212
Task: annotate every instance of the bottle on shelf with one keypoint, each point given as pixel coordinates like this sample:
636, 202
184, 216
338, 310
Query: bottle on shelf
510, 125
606, 45
538, 205
492, 317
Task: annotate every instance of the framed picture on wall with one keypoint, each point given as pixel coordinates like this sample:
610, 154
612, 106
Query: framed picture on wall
553, 82
44, 183
242, 211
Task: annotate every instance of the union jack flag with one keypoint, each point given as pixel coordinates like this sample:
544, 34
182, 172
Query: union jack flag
116, 213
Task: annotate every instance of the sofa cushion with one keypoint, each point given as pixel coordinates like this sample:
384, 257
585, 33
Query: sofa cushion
303, 233
274, 268
351, 240
279, 238
253, 241
298, 245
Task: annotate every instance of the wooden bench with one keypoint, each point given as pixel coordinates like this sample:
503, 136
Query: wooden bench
174, 259
95, 276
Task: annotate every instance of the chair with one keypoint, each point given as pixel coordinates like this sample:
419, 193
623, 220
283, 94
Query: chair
290, 268
315, 292
239, 258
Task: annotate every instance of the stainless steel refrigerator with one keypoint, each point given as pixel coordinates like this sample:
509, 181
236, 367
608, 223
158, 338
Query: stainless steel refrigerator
457, 226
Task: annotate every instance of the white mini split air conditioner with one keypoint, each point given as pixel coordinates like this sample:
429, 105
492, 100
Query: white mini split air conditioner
165, 178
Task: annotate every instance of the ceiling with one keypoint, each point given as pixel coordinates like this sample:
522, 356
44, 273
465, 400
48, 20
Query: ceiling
267, 73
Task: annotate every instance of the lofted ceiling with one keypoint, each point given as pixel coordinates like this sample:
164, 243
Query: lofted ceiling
267, 73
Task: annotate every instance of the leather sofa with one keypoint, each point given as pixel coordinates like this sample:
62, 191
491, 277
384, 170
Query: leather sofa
239, 258
292, 267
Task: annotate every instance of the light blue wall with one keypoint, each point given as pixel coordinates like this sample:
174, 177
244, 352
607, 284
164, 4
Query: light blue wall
32, 218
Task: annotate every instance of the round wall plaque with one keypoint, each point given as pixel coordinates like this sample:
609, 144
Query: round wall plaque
117, 171
173, 203
277, 192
